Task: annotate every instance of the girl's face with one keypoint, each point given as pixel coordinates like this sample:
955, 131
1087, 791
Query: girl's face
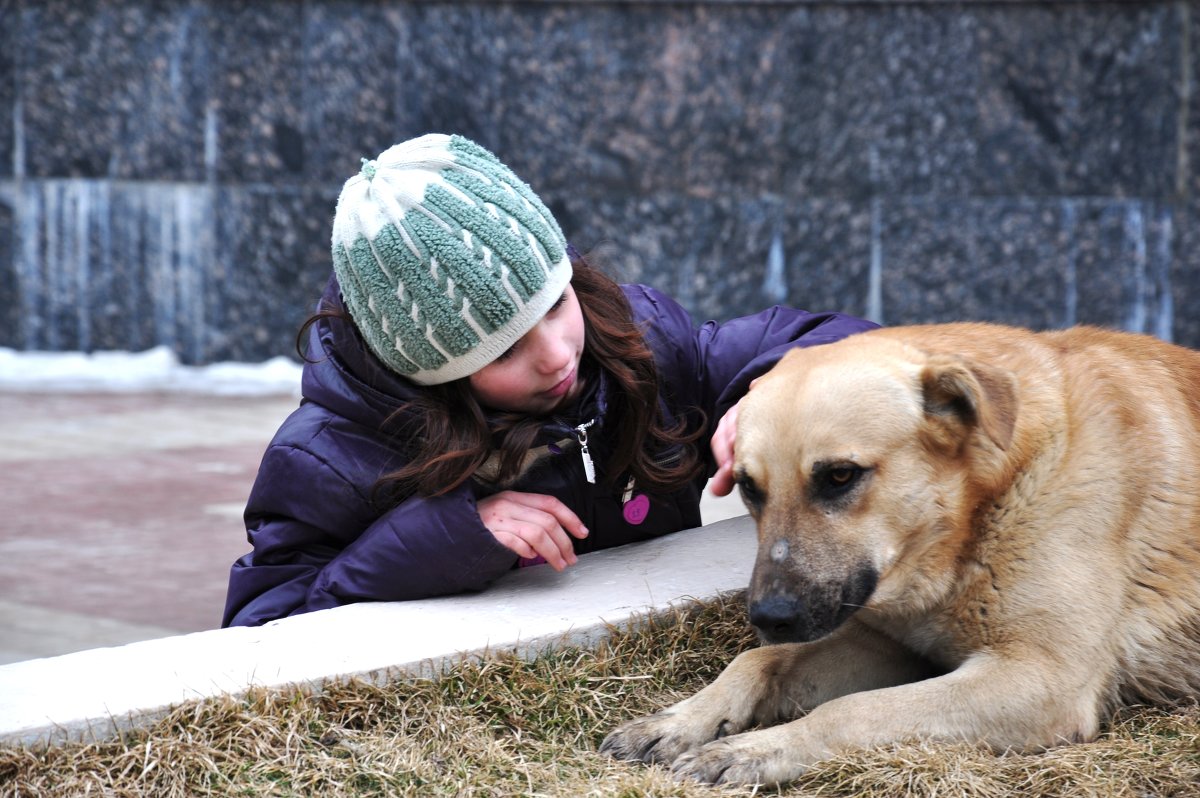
540, 372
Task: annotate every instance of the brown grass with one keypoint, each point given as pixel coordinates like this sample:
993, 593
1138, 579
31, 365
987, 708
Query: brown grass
505, 726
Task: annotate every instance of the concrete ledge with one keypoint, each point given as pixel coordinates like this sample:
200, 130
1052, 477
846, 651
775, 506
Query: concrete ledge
94, 694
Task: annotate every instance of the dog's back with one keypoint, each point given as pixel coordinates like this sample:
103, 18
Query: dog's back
1128, 455
1145, 394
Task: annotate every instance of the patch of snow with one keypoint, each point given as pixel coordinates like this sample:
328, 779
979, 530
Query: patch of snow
154, 370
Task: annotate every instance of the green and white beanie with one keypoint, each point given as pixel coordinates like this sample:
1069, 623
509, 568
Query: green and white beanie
445, 258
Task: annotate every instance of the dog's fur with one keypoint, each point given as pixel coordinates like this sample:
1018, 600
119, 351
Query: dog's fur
966, 532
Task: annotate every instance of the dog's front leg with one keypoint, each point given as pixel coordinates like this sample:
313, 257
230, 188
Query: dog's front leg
729, 705
1002, 705
768, 685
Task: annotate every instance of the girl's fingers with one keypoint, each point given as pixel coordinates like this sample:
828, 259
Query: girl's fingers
515, 544
555, 549
722, 444
722, 481
536, 521
566, 518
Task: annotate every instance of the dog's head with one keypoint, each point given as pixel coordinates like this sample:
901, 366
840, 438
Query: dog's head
861, 462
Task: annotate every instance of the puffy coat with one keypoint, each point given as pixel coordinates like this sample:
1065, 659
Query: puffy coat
321, 536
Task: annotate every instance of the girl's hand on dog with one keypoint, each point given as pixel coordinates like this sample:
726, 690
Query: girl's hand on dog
532, 525
722, 449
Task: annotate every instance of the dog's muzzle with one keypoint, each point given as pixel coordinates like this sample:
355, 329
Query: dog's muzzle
800, 612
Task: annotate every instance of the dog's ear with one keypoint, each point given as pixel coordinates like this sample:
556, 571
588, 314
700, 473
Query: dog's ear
971, 394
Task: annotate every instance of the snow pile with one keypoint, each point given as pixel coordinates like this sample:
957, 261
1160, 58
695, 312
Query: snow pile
154, 370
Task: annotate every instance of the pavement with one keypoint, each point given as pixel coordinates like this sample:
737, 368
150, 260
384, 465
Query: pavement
120, 514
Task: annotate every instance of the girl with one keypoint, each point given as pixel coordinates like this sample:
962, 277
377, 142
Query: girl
476, 397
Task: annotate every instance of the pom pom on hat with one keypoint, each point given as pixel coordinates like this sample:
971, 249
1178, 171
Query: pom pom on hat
445, 257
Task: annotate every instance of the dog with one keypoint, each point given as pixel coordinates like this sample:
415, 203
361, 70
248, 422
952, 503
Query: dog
966, 532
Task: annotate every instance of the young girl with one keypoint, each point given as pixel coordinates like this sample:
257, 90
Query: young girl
477, 397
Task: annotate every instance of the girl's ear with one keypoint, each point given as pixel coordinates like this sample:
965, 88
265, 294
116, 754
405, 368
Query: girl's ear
963, 395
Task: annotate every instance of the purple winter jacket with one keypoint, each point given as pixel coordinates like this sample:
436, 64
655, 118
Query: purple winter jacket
322, 537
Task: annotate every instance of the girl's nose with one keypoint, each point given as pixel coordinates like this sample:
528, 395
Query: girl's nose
550, 352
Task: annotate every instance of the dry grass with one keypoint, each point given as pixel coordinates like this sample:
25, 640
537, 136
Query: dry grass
506, 726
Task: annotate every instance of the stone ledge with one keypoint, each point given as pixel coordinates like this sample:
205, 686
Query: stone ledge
98, 693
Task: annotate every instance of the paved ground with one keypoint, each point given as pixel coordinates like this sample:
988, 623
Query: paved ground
120, 514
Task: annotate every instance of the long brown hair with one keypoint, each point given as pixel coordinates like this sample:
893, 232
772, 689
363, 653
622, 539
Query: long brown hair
449, 436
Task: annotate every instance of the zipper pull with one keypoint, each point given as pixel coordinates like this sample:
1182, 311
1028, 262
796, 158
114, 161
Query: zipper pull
589, 468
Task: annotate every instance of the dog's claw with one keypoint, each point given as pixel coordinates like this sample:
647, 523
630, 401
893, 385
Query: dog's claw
720, 762
686, 768
628, 747
702, 765
655, 739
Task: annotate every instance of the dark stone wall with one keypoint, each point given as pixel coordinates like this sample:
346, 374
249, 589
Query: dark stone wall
168, 168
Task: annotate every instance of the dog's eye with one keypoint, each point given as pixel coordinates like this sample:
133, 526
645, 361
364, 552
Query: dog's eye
841, 477
833, 480
751, 495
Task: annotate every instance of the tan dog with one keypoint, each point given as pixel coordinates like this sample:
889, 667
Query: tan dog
965, 532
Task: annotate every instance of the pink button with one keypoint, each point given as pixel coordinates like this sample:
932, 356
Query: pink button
636, 509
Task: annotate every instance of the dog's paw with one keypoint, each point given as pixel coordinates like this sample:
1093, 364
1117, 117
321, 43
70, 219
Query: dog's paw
742, 759
660, 738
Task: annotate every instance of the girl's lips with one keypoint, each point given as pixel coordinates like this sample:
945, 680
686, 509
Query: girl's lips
563, 387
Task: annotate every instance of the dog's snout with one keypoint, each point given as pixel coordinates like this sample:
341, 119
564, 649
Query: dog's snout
805, 610
776, 616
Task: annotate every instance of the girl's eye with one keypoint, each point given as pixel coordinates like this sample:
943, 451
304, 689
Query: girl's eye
508, 353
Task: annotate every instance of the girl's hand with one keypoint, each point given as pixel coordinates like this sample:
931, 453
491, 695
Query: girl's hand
533, 524
722, 448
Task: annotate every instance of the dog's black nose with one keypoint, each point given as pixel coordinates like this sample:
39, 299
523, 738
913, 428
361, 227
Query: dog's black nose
776, 617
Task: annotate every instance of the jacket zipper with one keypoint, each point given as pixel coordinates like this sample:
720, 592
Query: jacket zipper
589, 468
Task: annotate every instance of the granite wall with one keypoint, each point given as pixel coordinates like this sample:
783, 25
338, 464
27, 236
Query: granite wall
168, 168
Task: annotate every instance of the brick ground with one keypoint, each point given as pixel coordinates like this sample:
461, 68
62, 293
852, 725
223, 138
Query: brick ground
121, 514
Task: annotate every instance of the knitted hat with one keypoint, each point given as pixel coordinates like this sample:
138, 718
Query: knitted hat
445, 258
